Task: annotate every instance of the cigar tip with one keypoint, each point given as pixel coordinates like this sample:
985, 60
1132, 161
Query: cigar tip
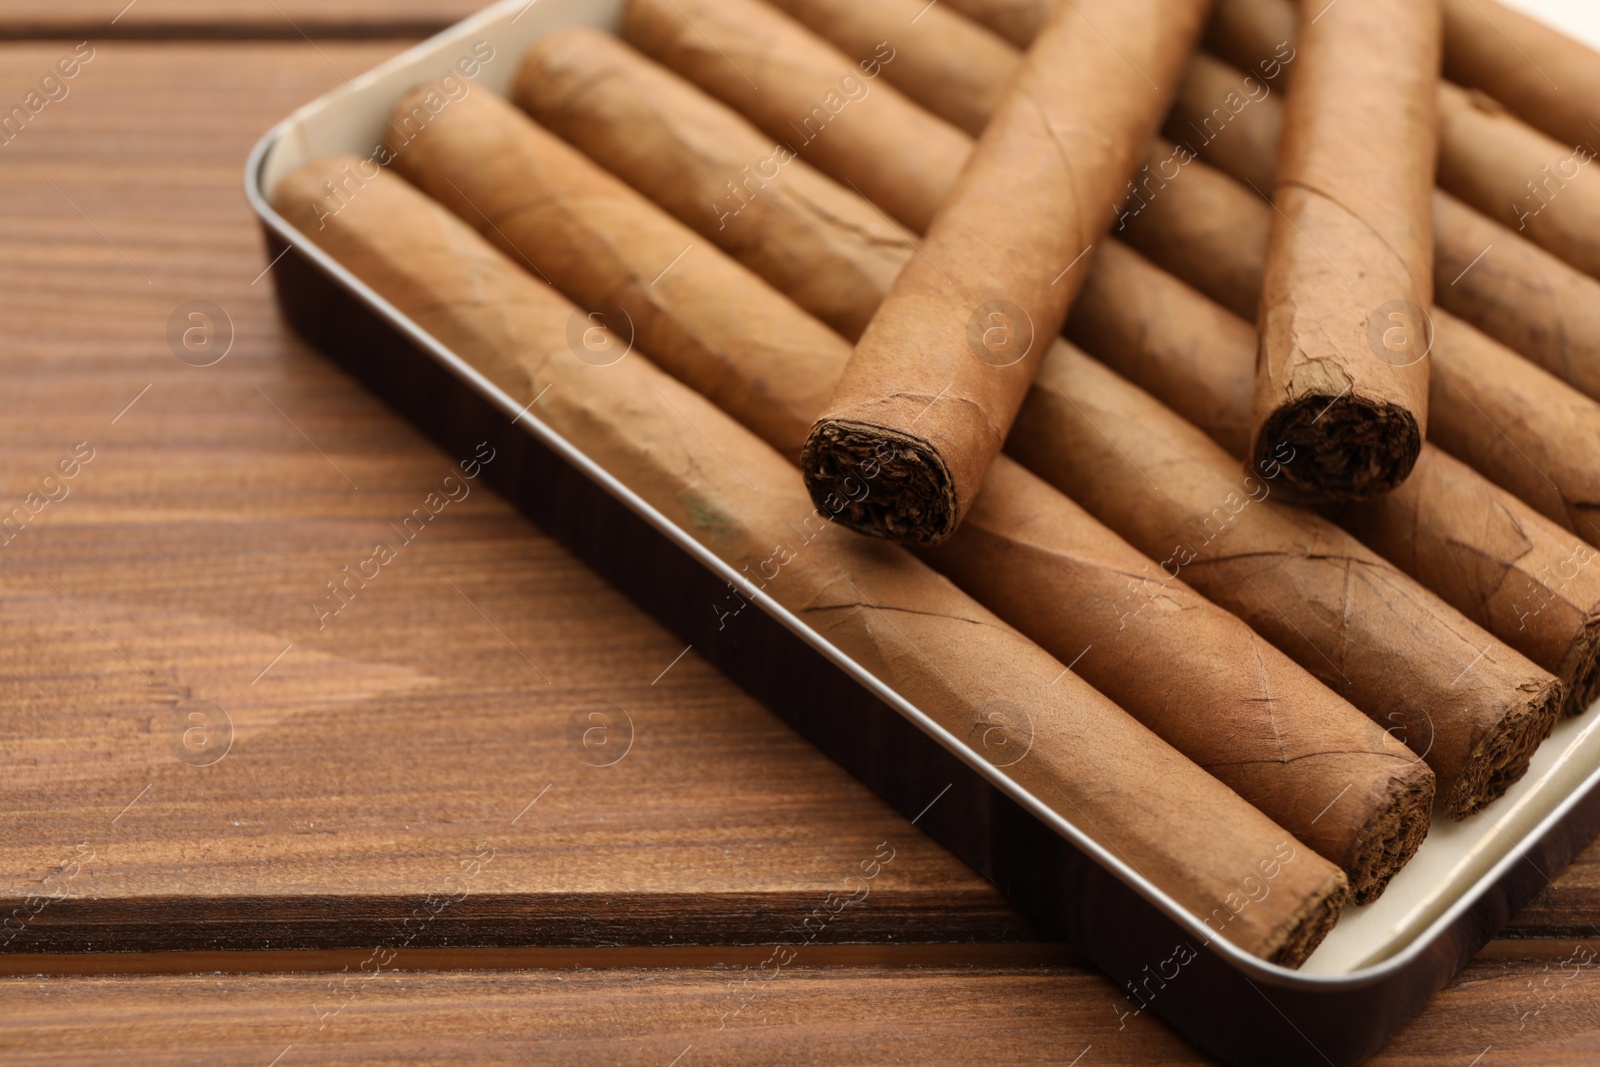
879, 482
1314, 920
1501, 757
1580, 670
1339, 449
1394, 833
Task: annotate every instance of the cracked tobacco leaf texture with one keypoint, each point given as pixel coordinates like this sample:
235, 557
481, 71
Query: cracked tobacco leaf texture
1473, 707
1515, 425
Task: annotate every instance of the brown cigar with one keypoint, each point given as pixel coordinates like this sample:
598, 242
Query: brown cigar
834, 254
1362, 423
1518, 703
1537, 587
1519, 177
718, 174
924, 37
1536, 185
1069, 746
944, 365
1247, 714
968, 306
1490, 276
1246, 31
1018, 21
1188, 220
797, 89
1517, 293
1495, 559
1342, 374
1517, 425
1548, 79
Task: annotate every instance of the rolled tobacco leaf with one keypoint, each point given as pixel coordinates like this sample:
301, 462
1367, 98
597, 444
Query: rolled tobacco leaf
942, 368
1342, 375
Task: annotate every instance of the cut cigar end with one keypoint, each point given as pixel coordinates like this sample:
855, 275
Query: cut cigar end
879, 482
1304, 930
1344, 448
1501, 758
1580, 670
1388, 842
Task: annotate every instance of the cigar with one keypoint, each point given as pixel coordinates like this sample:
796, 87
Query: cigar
1517, 293
1520, 177
1350, 253
1538, 588
1191, 224
1018, 21
1069, 746
1486, 273
968, 308
924, 37
797, 89
1498, 164
818, 242
1223, 113
1521, 427
1519, 703
1248, 715
944, 365
1491, 556
484, 160
1549, 80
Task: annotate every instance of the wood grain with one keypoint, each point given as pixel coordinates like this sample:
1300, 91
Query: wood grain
370, 758
1499, 1012
289, 20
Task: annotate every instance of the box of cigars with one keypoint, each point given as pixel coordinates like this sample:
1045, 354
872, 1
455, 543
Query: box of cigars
1152, 443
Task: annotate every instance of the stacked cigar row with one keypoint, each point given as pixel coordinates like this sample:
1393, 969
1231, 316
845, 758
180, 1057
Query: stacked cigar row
749, 257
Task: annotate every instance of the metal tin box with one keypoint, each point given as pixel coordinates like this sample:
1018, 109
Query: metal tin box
1376, 970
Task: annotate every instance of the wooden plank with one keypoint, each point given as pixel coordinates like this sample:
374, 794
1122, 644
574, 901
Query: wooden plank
1569, 907
1499, 1012
98, 20
389, 751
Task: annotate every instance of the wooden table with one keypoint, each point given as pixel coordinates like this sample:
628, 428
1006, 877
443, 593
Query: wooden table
320, 866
